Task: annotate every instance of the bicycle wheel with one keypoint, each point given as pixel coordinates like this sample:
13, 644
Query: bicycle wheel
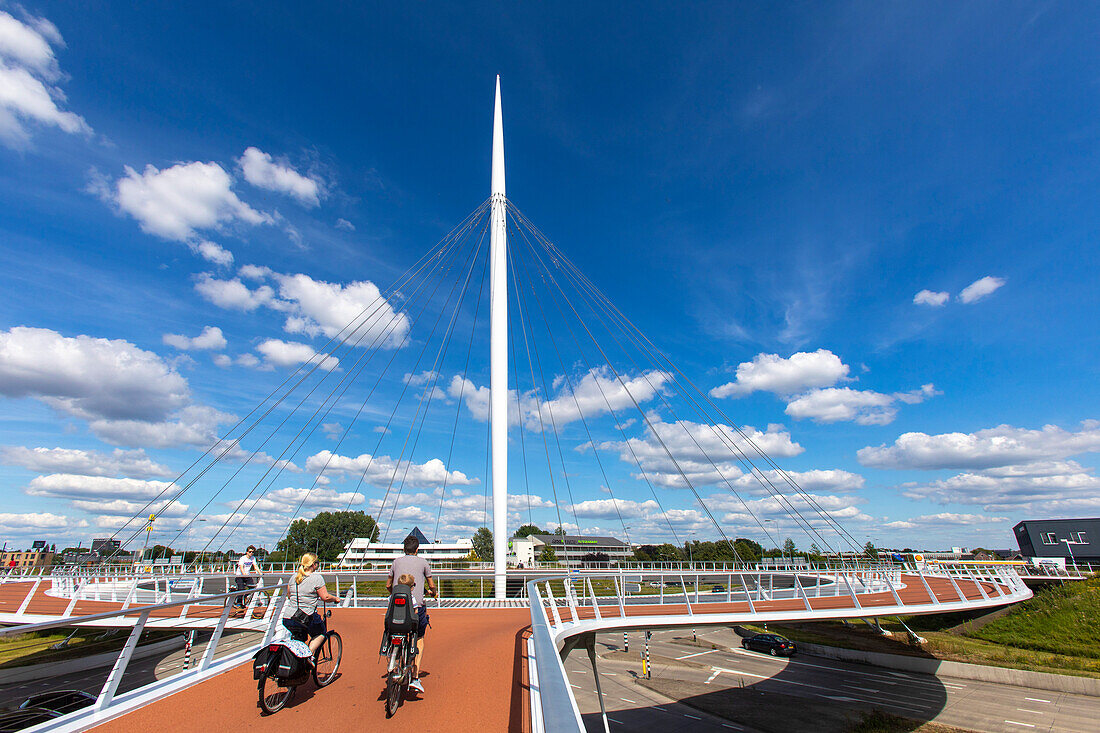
394, 678
273, 698
328, 659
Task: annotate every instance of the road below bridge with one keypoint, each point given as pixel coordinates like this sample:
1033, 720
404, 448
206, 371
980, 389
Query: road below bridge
765, 694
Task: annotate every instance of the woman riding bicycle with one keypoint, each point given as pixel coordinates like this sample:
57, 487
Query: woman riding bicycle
300, 615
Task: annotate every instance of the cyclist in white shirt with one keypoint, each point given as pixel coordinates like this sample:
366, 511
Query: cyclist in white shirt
248, 576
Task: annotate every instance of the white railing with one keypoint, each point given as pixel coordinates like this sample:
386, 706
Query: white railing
110, 703
570, 617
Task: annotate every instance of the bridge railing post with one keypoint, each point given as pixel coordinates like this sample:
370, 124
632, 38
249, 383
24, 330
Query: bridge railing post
595, 601
802, 591
107, 694
212, 645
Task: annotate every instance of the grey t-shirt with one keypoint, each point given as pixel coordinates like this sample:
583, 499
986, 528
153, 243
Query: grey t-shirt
303, 596
417, 567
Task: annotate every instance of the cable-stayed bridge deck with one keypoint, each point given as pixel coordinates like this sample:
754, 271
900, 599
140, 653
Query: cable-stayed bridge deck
497, 668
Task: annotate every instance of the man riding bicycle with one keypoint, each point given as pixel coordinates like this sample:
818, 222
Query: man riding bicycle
421, 571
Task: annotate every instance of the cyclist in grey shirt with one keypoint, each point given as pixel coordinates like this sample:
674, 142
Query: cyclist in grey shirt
307, 589
421, 572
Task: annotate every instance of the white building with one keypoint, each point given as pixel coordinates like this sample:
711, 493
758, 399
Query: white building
572, 549
362, 553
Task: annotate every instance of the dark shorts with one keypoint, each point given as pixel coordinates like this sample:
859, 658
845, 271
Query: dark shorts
302, 632
422, 621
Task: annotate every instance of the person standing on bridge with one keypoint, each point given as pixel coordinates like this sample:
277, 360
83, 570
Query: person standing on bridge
248, 576
421, 572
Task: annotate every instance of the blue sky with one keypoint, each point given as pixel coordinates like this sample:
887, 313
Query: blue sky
871, 228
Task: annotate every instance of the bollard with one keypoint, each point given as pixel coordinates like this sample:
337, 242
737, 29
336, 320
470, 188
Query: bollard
187, 649
626, 642
645, 664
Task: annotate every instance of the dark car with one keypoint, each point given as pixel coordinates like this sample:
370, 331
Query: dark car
59, 701
16, 720
773, 644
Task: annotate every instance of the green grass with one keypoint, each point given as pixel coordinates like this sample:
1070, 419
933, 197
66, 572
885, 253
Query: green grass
1060, 620
1056, 632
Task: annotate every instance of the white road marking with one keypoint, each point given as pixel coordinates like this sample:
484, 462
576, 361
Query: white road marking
613, 720
1026, 725
1035, 699
635, 702
857, 687
711, 678
577, 686
693, 717
697, 654
655, 707
734, 727
1025, 710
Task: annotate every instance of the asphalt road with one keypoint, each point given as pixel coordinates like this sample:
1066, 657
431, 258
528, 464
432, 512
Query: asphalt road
967, 704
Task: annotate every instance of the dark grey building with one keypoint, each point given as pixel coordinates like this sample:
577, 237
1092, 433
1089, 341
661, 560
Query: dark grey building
1076, 539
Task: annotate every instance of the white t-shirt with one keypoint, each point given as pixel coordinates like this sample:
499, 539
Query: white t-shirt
246, 566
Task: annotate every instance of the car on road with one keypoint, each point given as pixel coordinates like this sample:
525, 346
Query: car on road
17, 720
59, 701
717, 588
774, 644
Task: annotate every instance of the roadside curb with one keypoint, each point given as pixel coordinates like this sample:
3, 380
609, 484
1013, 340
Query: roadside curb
960, 670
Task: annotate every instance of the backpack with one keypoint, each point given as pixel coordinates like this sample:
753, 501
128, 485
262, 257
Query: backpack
401, 615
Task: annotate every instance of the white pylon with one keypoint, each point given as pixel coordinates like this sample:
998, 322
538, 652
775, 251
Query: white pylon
498, 355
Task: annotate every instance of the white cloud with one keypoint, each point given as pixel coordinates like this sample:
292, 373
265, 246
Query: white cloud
255, 272
28, 46
222, 360
979, 289
1043, 494
1003, 445
772, 373
194, 425
128, 509
313, 306
176, 202
263, 172
233, 294
613, 508
592, 394
37, 521
129, 463
289, 499
863, 407
211, 338
345, 225
28, 68
382, 469
938, 520
328, 308
292, 353
705, 453
72, 486
212, 252
88, 377
934, 299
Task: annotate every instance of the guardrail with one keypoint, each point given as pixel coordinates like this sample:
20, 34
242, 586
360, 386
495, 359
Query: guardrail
109, 703
572, 620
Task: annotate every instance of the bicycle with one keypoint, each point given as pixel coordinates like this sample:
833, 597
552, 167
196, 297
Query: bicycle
326, 663
402, 659
399, 672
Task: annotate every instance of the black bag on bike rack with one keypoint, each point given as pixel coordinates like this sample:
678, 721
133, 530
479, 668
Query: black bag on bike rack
401, 614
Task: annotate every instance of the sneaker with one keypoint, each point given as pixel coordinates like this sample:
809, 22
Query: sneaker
417, 685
